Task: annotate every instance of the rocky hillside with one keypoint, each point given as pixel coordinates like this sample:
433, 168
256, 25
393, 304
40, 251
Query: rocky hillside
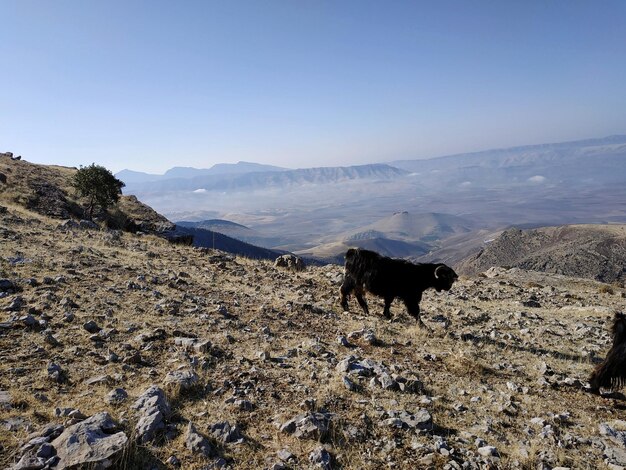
591, 251
124, 350
46, 189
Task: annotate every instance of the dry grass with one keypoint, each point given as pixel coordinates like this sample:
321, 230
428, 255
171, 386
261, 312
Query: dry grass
137, 284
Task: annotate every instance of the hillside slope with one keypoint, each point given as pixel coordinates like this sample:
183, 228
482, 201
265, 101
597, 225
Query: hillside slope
233, 230
249, 366
47, 191
591, 251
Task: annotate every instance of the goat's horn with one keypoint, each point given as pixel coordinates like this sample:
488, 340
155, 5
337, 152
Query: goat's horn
437, 271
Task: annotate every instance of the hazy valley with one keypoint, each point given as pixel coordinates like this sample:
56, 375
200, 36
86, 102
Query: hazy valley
317, 212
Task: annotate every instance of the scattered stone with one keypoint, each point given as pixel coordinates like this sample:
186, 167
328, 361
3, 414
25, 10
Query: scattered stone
73, 413
116, 396
55, 373
613, 432
153, 408
386, 382
50, 339
197, 443
6, 285
285, 455
367, 336
182, 379
5, 400
91, 327
349, 384
224, 432
402, 419
488, 451
320, 457
195, 344
312, 425
343, 341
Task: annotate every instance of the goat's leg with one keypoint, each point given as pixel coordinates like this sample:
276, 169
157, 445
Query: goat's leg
346, 289
386, 311
413, 307
359, 293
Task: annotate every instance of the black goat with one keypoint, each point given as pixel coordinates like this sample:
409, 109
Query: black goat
390, 278
611, 373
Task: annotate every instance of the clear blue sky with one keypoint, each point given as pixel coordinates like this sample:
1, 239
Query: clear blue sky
152, 84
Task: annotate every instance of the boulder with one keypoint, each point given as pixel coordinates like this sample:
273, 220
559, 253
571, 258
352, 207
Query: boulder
291, 262
92, 443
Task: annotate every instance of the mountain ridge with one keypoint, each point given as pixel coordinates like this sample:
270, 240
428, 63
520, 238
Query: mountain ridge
271, 179
133, 177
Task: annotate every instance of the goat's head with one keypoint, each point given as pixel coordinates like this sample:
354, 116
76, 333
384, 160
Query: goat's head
444, 277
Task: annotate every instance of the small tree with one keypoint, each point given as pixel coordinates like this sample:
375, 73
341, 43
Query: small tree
98, 185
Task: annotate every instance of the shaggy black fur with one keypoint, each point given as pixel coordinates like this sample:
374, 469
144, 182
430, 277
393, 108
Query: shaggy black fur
611, 373
390, 278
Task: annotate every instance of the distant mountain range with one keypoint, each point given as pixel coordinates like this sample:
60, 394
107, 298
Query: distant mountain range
583, 161
134, 177
250, 180
450, 204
